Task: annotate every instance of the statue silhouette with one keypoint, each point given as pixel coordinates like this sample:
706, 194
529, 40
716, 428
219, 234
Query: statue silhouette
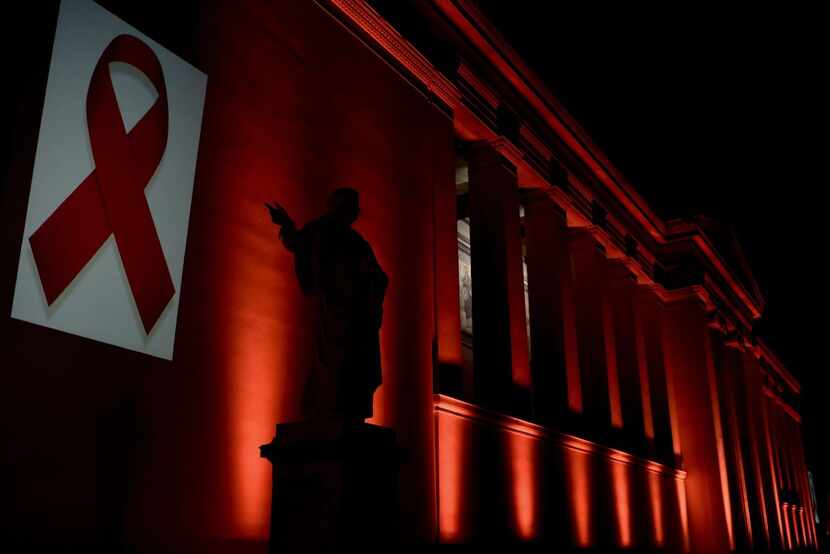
336, 265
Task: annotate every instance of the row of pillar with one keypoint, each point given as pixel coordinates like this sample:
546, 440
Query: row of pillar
597, 367
614, 362
766, 471
795, 501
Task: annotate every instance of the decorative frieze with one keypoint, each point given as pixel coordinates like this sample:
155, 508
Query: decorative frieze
360, 14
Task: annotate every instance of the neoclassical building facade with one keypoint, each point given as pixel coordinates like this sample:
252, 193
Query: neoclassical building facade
561, 365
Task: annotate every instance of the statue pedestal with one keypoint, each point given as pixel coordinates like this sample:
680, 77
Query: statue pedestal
335, 487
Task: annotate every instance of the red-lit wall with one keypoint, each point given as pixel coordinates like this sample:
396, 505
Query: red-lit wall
506, 480
103, 445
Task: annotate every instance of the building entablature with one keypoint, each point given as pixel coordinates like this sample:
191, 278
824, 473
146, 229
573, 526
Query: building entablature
778, 381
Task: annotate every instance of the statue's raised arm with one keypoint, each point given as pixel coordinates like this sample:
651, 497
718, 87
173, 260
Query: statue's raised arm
288, 231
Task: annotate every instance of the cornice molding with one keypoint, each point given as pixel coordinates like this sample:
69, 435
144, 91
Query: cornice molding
696, 293
643, 278
727, 304
775, 364
718, 323
736, 287
507, 149
485, 92
459, 408
535, 142
789, 410
735, 342
361, 15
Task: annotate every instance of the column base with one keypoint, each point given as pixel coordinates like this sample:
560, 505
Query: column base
335, 486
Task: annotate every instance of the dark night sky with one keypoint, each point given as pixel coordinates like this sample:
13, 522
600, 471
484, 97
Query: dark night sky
716, 112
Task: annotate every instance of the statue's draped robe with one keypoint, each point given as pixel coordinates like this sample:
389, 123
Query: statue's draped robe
336, 266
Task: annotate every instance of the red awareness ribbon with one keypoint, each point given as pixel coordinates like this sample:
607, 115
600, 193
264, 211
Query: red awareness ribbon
111, 199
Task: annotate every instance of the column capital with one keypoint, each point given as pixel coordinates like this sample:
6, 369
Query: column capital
718, 322
542, 197
647, 292
585, 237
735, 341
496, 152
695, 295
619, 269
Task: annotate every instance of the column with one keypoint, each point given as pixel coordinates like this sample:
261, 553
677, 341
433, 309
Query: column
634, 390
648, 314
729, 370
809, 508
447, 346
800, 489
555, 363
751, 387
689, 363
781, 463
595, 334
774, 471
447, 309
502, 372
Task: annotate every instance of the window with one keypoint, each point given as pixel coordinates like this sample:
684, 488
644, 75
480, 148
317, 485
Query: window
524, 276
465, 277
813, 496
465, 269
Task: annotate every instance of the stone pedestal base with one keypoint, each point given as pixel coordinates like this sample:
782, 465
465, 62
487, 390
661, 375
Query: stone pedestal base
335, 487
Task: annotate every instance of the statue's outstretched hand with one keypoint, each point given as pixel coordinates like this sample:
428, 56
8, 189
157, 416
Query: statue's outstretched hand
278, 214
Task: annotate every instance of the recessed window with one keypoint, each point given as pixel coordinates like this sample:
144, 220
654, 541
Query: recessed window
465, 267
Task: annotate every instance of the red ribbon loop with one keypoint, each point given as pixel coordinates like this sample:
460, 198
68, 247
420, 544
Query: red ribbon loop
111, 199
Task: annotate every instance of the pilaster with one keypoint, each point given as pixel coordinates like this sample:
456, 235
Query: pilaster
502, 372
648, 324
689, 360
595, 333
555, 364
634, 388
